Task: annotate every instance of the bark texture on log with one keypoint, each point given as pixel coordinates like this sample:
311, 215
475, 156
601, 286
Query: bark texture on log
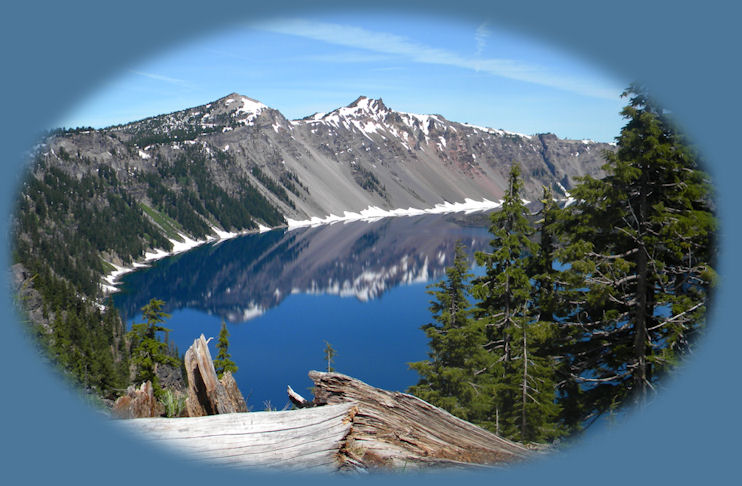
395, 430
206, 394
350, 426
295, 440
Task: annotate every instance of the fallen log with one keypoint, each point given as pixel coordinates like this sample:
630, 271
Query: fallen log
349, 426
297, 440
393, 430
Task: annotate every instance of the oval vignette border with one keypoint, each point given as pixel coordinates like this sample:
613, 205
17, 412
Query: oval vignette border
686, 435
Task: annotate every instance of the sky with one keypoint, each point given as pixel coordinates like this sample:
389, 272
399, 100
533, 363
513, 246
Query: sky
479, 73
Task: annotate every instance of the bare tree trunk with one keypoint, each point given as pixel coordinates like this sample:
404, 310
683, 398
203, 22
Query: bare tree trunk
640, 328
640, 325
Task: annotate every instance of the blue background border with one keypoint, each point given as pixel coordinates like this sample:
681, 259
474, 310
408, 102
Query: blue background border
53, 53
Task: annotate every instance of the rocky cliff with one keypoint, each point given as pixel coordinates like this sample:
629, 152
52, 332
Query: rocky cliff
361, 155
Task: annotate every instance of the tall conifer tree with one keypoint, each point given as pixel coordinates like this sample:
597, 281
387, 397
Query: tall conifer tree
640, 247
148, 350
447, 378
518, 377
223, 361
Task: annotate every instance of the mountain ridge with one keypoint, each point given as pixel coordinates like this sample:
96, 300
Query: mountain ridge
235, 164
94, 200
454, 160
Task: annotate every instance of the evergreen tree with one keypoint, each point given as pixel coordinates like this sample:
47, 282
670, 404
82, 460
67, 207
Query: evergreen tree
518, 377
148, 351
639, 244
545, 277
329, 356
447, 378
223, 361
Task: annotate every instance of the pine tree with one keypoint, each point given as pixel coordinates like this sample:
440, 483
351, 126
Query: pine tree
148, 351
223, 361
447, 378
545, 277
639, 244
329, 356
518, 377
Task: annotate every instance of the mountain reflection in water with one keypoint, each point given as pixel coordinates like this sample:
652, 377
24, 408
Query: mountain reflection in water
301, 287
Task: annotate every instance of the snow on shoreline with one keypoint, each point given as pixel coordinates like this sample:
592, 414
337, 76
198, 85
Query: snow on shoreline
110, 281
372, 213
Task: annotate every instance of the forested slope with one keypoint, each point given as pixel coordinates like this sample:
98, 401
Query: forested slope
95, 198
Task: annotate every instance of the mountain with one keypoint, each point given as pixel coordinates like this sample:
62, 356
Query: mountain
361, 155
91, 199
110, 195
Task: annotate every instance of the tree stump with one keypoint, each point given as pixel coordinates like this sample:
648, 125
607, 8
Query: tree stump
138, 403
206, 394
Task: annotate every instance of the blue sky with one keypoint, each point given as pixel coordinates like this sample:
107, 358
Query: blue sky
474, 73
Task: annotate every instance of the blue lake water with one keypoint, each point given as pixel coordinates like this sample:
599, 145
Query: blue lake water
359, 286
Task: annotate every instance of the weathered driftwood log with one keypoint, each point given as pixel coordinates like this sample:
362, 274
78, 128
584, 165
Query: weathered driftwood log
298, 400
304, 440
206, 394
396, 430
350, 426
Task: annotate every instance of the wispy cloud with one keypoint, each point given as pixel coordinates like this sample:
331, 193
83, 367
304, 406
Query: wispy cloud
349, 57
159, 77
392, 44
480, 36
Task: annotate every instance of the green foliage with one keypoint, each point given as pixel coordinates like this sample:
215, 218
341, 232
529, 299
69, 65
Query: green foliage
86, 345
273, 187
147, 349
173, 402
68, 223
368, 180
185, 191
545, 351
65, 223
518, 375
330, 353
172, 229
454, 339
289, 180
640, 245
223, 361
487, 362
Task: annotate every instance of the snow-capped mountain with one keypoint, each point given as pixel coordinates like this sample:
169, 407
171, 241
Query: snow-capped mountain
364, 154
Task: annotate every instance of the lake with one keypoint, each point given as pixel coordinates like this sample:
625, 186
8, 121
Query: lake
360, 286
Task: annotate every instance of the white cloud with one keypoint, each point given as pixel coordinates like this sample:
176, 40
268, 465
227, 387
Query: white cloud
392, 44
348, 57
480, 36
160, 77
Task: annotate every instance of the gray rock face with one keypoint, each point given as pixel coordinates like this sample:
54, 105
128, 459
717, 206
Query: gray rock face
361, 155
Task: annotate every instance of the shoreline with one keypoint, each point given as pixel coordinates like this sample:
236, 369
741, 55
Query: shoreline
374, 213
109, 282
